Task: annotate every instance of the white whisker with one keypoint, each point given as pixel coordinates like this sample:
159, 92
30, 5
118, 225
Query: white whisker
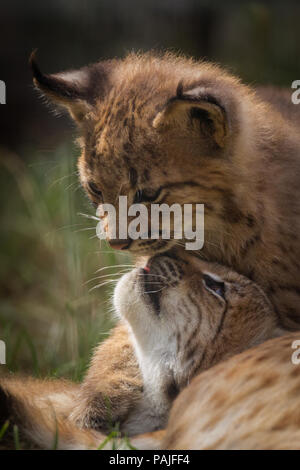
109, 281
153, 275
76, 189
106, 275
88, 216
154, 291
62, 178
113, 252
70, 185
115, 266
84, 229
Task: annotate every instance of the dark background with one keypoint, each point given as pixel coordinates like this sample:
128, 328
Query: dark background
49, 254
260, 41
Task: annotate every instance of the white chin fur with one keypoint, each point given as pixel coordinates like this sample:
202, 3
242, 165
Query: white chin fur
120, 299
127, 301
130, 305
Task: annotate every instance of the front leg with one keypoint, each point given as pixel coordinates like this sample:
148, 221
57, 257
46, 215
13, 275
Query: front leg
113, 384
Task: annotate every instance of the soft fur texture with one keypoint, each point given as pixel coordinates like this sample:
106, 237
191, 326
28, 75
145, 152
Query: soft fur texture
175, 130
184, 316
181, 131
251, 401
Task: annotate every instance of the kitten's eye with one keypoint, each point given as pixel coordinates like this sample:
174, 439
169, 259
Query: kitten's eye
138, 197
146, 195
214, 285
94, 190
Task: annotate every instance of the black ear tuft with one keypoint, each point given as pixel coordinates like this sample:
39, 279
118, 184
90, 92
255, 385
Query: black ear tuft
75, 90
37, 74
54, 84
179, 91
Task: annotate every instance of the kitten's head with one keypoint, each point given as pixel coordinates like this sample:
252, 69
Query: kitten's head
187, 315
157, 129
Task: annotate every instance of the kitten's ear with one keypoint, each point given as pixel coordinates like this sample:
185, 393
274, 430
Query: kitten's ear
195, 109
74, 90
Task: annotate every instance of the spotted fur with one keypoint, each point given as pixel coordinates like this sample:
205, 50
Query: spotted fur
178, 328
251, 401
181, 315
175, 130
184, 316
182, 131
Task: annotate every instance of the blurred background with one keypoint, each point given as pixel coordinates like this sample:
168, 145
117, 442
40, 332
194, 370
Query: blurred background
51, 313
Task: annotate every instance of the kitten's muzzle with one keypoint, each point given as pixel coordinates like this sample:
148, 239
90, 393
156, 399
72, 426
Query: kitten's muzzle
120, 244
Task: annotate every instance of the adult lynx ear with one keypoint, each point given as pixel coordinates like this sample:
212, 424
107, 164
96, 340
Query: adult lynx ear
74, 90
196, 105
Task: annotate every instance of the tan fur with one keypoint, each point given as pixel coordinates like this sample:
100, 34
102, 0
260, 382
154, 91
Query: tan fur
178, 327
238, 153
41, 409
37, 407
251, 401
112, 386
249, 186
240, 157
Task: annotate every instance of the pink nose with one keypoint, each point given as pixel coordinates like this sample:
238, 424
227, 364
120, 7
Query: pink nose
118, 244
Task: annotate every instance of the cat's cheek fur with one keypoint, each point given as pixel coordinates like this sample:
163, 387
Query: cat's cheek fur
127, 300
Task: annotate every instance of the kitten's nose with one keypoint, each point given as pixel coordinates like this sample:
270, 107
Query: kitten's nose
119, 244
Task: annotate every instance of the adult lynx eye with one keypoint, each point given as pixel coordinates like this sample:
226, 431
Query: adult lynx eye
214, 285
94, 190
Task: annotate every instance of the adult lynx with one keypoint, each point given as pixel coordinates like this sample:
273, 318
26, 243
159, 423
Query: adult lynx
184, 316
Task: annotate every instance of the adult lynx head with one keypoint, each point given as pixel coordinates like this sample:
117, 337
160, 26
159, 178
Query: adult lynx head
161, 129
187, 315
184, 315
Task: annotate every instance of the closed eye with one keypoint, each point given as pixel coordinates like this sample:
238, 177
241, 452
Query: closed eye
216, 286
146, 195
95, 191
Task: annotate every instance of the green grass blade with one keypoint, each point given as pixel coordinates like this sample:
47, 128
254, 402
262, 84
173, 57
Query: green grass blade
16, 438
4, 429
